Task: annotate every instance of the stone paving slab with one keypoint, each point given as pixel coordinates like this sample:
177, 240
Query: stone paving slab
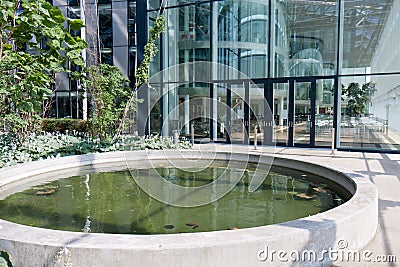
382, 169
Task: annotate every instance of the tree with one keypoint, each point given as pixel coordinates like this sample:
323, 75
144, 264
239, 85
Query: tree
34, 45
358, 97
108, 89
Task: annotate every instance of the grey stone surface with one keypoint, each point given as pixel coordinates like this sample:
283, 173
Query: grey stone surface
355, 221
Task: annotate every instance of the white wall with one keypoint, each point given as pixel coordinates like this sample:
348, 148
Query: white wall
386, 100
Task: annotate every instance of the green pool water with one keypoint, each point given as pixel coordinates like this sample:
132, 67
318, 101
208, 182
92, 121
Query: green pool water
114, 203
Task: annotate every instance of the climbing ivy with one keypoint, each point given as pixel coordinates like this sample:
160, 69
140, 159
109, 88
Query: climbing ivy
142, 72
150, 50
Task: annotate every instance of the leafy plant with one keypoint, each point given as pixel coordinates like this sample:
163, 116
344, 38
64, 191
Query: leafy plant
142, 72
110, 91
153, 142
358, 97
34, 45
63, 125
150, 50
55, 145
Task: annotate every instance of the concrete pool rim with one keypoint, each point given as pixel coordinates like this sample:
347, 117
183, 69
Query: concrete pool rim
354, 222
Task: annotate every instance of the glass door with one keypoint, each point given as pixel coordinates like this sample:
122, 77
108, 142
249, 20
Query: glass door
294, 112
248, 113
190, 111
223, 113
256, 113
238, 96
304, 113
324, 116
280, 109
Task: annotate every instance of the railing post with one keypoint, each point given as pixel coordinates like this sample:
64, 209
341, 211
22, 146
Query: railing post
192, 132
333, 142
255, 137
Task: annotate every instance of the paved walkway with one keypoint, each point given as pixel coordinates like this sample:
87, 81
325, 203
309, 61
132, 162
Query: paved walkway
382, 169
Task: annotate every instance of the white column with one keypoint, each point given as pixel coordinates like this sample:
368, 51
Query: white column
83, 37
214, 60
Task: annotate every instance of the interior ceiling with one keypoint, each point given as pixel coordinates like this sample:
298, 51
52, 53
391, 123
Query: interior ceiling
364, 21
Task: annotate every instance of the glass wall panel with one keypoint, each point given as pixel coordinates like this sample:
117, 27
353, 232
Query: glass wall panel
193, 108
132, 23
106, 56
73, 2
155, 64
223, 112
237, 37
302, 113
187, 36
242, 36
75, 110
155, 117
105, 26
104, 2
370, 36
238, 131
49, 107
63, 104
324, 112
132, 62
257, 103
280, 111
153, 4
369, 112
74, 13
305, 38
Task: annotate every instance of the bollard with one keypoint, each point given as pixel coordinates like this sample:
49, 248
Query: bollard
255, 137
333, 142
176, 137
192, 132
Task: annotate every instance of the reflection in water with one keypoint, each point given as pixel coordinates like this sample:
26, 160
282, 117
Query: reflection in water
86, 228
114, 203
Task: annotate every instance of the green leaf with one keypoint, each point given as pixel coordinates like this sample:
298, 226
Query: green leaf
75, 24
57, 15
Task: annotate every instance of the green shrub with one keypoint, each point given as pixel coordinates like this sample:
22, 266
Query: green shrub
63, 125
54, 145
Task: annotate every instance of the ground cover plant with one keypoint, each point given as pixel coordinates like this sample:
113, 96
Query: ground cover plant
53, 145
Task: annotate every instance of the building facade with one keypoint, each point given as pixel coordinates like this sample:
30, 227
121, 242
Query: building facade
236, 70
111, 34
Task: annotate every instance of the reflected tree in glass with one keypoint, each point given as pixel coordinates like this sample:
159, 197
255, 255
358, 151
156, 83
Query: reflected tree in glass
358, 98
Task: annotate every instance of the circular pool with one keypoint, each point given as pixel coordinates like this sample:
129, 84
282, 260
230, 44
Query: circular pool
353, 222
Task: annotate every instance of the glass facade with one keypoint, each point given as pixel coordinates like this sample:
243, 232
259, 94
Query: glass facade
111, 34
298, 60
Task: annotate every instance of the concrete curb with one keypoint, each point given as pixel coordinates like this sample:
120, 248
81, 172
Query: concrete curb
355, 222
